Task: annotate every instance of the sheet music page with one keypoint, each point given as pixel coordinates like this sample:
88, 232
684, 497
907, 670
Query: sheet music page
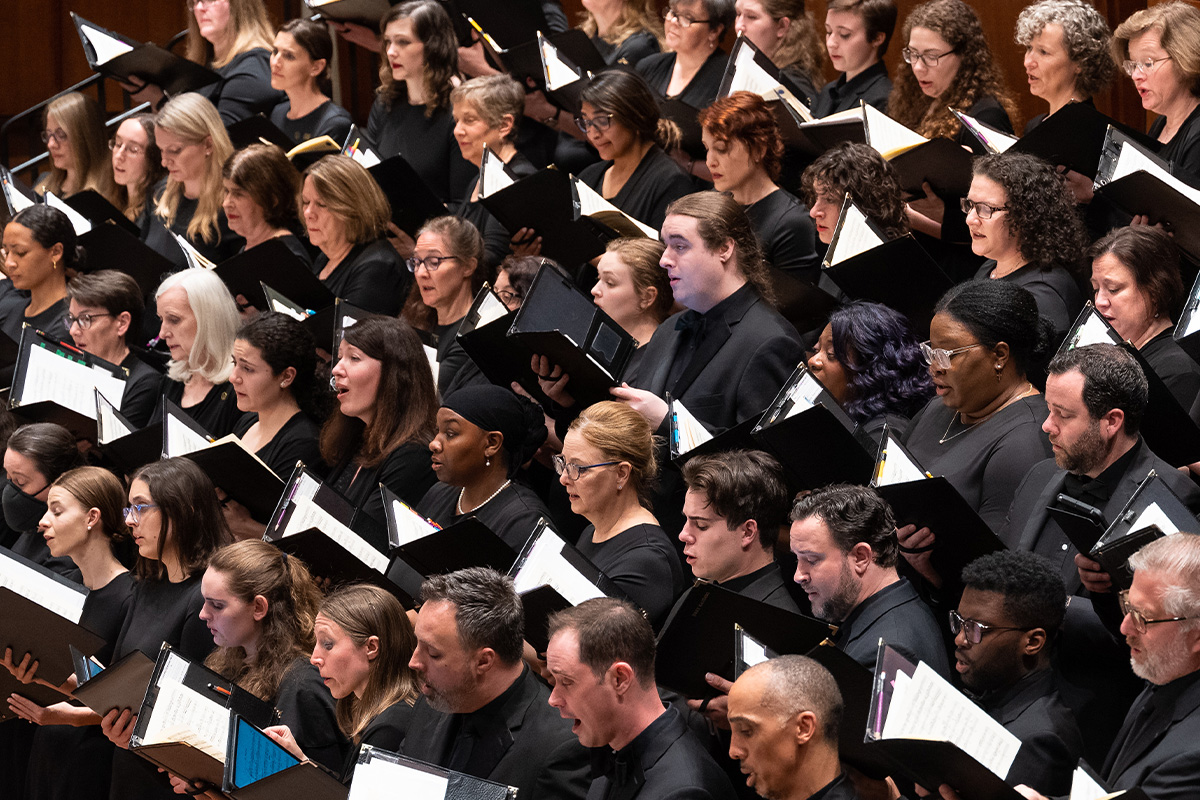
49, 376
590, 202
361, 153
108, 424
431, 355
194, 259
282, 305
994, 140
1131, 160
16, 198
748, 76
181, 714
492, 176
48, 593
556, 71
780, 93
545, 566
852, 236
1154, 515
490, 310
690, 432
929, 707
753, 651
1084, 787
803, 394
851, 114
181, 439
78, 221
107, 47
1093, 330
888, 137
896, 466
410, 525
378, 778
308, 514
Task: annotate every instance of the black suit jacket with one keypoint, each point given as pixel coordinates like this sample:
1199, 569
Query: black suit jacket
1051, 744
1163, 758
1031, 528
739, 368
900, 617
544, 760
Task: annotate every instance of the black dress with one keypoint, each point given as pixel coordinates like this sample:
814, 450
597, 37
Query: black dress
643, 563
511, 515
871, 85
245, 87
405, 471
630, 52
1176, 368
217, 413
90, 774
1183, 151
328, 119
50, 321
787, 235
426, 142
655, 182
225, 245
986, 462
307, 708
700, 91
1055, 290
372, 276
496, 237
141, 391
385, 732
297, 440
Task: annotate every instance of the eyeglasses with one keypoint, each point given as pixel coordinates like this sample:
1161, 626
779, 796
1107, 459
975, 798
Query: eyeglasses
84, 320
192, 4
133, 514
681, 20
911, 56
430, 263
982, 210
975, 630
573, 471
1145, 65
600, 122
508, 296
939, 358
58, 135
129, 148
1138, 618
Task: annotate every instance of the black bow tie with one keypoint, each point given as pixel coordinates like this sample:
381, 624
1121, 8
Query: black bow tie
623, 769
692, 321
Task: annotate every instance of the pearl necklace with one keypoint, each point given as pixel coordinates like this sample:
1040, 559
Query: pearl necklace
491, 497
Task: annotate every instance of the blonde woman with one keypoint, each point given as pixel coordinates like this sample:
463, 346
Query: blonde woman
234, 38
74, 137
624, 31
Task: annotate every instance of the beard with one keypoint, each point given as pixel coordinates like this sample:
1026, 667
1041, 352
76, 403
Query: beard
1088, 452
1163, 664
843, 600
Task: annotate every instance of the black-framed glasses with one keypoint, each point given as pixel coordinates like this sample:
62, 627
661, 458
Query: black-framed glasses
975, 630
430, 263
129, 148
911, 56
939, 357
133, 514
84, 320
58, 135
1145, 65
600, 122
1138, 618
573, 471
508, 296
682, 20
982, 210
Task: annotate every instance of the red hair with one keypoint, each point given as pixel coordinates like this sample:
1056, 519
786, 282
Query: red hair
747, 117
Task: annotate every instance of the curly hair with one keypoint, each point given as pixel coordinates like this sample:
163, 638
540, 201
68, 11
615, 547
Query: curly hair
1085, 36
878, 350
746, 116
635, 16
1041, 212
802, 47
1034, 595
432, 26
872, 183
977, 77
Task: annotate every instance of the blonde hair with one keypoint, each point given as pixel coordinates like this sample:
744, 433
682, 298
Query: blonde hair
635, 16
191, 116
80, 118
1178, 24
251, 26
493, 97
621, 434
217, 323
352, 195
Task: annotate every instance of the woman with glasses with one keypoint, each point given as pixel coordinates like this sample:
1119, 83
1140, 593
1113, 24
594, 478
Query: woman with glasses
745, 156
73, 131
691, 68
447, 267
857, 34
621, 120
484, 434
787, 34
300, 59
176, 525
608, 468
1022, 219
859, 171
379, 432
411, 114
38, 249
136, 165
1156, 47
515, 276
987, 345
194, 147
104, 318
346, 215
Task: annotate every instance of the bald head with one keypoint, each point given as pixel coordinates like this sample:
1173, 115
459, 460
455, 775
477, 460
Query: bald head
788, 685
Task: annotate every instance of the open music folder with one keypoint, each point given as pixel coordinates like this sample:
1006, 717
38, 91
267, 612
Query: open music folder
122, 58
378, 773
411, 199
1087, 785
257, 768
273, 263
483, 335
432, 550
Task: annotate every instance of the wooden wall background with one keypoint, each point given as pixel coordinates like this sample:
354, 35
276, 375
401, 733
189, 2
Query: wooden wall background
43, 54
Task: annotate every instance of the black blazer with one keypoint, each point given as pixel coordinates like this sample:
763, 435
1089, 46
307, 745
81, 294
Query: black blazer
898, 616
543, 760
1051, 744
1163, 759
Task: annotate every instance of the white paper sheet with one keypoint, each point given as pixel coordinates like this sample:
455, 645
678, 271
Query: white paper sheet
889, 137
409, 525
556, 71
1154, 515
181, 439
66, 601
1093, 330
545, 566
896, 466
490, 310
181, 714
852, 236
107, 47
108, 425
380, 779
307, 514
49, 376
492, 177
1084, 787
690, 432
590, 202
1131, 160
19, 201
994, 140
804, 394
78, 221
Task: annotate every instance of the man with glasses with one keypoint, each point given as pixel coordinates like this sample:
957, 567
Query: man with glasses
1156, 749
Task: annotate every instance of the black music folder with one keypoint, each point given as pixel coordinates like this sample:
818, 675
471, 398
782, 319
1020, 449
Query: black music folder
423, 781
243, 476
274, 264
527, 66
549, 560
483, 335
113, 247
411, 200
688, 438
538, 605
688, 648
1187, 330
918, 498
804, 305
687, 118
510, 23
257, 768
364, 12
1083, 524
945, 165
121, 58
96, 208
257, 129
35, 692
433, 551
120, 685
183, 723
1152, 512
561, 323
122, 445
30, 627
855, 683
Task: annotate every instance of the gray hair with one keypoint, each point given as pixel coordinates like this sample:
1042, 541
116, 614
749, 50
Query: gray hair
488, 610
217, 324
793, 684
1176, 559
1086, 37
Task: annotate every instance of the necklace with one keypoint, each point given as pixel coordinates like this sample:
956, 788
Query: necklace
492, 496
946, 436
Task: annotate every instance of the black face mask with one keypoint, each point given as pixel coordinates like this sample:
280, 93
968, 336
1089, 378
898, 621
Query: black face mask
22, 512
